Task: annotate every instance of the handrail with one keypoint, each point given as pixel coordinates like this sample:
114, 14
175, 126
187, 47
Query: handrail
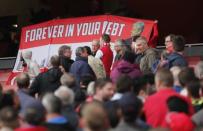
187, 45
5, 58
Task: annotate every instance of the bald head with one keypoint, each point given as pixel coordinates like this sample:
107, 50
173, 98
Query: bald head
95, 45
23, 80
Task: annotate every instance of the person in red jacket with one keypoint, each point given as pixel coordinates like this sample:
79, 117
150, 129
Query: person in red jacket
105, 53
155, 106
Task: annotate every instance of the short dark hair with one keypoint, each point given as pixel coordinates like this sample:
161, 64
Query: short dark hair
178, 43
186, 74
124, 84
112, 109
106, 38
177, 104
129, 57
55, 61
139, 84
193, 88
34, 116
101, 82
88, 49
86, 79
62, 50
165, 77
23, 80
131, 106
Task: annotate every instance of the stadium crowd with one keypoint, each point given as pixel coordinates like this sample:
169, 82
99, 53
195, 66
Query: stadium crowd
141, 88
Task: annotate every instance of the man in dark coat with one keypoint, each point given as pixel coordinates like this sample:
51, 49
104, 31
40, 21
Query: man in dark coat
47, 81
80, 66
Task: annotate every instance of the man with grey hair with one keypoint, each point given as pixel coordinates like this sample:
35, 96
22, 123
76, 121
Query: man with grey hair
80, 66
68, 79
95, 46
147, 55
119, 48
66, 95
55, 121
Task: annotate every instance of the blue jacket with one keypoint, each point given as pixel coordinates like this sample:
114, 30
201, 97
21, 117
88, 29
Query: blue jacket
26, 101
176, 59
80, 67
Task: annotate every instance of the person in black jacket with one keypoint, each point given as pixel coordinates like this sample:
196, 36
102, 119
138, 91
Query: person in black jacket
64, 53
47, 81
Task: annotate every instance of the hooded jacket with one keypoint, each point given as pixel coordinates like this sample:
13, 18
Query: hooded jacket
80, 67
124, 67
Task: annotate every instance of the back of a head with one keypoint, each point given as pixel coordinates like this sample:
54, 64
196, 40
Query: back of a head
23, 80
114, 112
34, 114
65, 94
79, 51
106, 38
129, 57
124, 84
193, 88
175, 70
186, 74
131, 107
68, 80
51, 103
62, 50
165, 77
94, 116
177, 104
55, 61
85, 80
140, 83
88, 49
178, 43
9, 117
199, 70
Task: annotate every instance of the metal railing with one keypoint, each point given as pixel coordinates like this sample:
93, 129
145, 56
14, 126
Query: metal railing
190, 50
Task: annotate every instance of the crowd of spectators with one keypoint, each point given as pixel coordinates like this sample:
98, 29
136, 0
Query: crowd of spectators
140, 88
